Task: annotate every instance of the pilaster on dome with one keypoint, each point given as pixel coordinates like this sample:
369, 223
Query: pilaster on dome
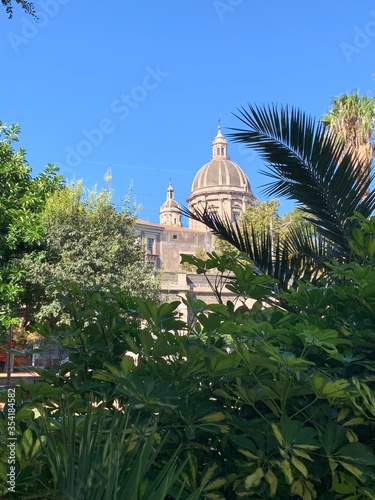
220, 146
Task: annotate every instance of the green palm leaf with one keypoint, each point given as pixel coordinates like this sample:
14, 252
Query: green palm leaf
310, 167
301, 255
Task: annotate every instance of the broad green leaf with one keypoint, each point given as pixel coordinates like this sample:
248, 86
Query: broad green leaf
220, 392
299, 466
329, 389
305, 447
37, 446
248, 454
286, 468
333, 437
113, 370
209, 474
272, 481
27, 441
216, 484
304, 489
297, 489
371, 247
343, 488
353, 469
214, 417
147, 341
343, 413
356, 452
351, 436
278, 434
127, 364
254, 479
301, 453
297, 433
354, 421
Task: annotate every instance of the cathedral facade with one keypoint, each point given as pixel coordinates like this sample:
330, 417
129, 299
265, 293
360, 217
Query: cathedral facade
220, 186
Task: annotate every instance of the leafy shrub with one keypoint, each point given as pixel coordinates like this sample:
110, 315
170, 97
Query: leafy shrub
248, 401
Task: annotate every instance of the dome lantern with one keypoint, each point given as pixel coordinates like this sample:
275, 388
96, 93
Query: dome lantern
220, 146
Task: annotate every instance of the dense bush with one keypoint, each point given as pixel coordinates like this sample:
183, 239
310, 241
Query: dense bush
248, 401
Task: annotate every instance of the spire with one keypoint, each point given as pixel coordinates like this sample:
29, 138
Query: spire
170, 211
170, 191
220, 145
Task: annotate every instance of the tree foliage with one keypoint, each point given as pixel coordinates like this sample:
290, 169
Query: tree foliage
259, 215
254, 401
351, 119
199, 253
26, 6
86, 242
262, 215
22, 201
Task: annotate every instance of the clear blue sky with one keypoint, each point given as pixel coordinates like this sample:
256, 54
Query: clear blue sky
138, 86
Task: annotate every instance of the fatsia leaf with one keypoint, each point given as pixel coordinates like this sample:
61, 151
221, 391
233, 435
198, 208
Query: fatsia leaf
254, 479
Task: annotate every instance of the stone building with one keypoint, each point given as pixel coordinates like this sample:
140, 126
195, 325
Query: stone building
222, 187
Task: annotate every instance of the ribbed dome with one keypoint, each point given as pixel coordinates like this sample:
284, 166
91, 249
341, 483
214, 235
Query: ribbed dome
170, 204
220, 186
220, 173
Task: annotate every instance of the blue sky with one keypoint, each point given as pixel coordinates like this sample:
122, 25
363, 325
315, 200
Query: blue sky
138, 86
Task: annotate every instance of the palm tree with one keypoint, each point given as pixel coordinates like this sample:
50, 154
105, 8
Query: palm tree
351, 118
328, 182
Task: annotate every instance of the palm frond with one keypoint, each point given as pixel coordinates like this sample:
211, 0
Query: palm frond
310, 167
300, 255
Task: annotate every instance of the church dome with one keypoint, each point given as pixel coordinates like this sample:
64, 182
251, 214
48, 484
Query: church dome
170, 211
170, 203
220, 185
221, 172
